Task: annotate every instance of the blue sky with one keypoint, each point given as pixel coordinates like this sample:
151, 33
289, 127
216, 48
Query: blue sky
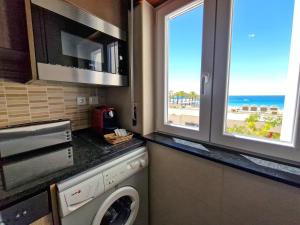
185, 50
260, 47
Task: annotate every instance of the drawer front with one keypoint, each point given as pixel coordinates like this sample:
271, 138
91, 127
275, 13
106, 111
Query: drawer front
46, 220
27, 211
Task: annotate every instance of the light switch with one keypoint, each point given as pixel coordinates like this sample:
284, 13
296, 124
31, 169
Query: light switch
81, 100
93, 100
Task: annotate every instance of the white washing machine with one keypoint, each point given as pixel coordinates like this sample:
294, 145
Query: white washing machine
115, 193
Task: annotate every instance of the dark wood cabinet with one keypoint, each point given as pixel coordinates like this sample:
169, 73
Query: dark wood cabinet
13, 33
14, 53
14, 65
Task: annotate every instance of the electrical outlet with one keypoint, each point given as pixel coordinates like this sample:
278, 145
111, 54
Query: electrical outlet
81, 100
93, 100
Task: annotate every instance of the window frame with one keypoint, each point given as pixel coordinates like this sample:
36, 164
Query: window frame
216, 46
285, 151
162, 13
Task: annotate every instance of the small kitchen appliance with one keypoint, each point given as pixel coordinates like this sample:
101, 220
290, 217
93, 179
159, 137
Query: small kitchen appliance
104, 119
32, 137
71, 45
34, 150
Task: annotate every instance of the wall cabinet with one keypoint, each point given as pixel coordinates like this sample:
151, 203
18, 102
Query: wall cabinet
13, 33
14, 56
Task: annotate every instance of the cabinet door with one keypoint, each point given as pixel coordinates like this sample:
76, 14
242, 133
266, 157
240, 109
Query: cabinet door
13, 33
14, 57
46, 220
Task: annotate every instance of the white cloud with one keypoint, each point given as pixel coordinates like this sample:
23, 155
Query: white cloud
252, 35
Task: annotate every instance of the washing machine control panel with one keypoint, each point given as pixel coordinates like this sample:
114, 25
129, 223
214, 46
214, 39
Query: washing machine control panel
118, 173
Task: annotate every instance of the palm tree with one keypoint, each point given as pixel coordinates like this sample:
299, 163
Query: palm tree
193, 96
176, 94
180, 95
171, 95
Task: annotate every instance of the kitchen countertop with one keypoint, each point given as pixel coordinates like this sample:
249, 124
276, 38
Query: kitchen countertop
88, 151
277, 171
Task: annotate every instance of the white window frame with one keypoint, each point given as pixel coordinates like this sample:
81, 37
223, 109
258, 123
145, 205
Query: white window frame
283, 151
215, 60
162, 13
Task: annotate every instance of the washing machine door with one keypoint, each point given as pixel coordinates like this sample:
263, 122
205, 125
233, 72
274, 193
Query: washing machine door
120, 208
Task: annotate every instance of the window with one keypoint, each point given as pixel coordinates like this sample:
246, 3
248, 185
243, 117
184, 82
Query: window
228, 73
257, 89
184, 75
184, 62
256, 77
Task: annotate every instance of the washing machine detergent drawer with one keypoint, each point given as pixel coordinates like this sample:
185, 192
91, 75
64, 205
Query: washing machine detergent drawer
80, 194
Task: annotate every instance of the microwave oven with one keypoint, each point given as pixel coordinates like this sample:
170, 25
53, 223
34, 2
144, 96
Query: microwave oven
69, 44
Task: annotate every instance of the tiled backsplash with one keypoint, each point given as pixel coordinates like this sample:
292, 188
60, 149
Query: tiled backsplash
20, 103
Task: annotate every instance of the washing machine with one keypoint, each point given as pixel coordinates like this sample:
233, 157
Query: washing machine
115, 193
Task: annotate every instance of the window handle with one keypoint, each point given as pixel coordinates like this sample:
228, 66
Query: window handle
204, 80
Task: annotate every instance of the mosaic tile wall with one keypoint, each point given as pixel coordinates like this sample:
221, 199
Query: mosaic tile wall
20, 103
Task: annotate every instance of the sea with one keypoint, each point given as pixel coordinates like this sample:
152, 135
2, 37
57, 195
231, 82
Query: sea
241, 100
257, 100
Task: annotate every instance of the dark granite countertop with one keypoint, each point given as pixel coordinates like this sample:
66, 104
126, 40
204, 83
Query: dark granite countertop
88, 151
277, 171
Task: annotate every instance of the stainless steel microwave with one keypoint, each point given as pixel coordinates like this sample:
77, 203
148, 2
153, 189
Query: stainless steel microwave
71, 45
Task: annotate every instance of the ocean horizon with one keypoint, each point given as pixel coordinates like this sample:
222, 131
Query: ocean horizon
249, 100
257, 100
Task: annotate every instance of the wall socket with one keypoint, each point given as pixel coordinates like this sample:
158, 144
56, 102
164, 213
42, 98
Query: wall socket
81, 100
93, 100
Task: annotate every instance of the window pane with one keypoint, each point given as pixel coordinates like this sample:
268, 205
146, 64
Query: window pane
264, 70
184, 67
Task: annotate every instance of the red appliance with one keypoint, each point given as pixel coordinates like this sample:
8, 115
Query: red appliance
104, 119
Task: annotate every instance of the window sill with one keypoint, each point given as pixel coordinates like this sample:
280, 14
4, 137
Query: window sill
263, 167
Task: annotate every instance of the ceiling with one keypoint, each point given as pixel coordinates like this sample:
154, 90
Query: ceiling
156, 3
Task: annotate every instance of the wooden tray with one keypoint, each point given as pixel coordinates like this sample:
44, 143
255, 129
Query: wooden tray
113, 139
